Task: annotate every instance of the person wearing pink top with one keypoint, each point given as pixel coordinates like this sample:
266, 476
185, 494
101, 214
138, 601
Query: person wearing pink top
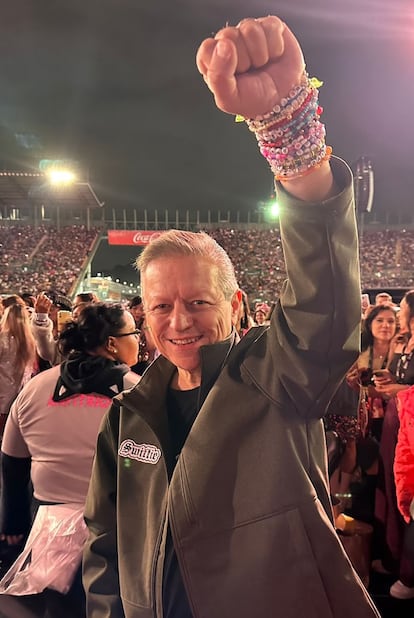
404, 483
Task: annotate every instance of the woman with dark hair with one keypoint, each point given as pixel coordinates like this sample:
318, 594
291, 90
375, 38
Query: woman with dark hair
52, 428
136, 308
84, 297
358, 419
261, 314
390, 527
378, 332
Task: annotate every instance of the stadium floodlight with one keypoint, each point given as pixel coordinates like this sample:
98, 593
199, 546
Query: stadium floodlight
269, 209
273, 209
61, 177
60, 172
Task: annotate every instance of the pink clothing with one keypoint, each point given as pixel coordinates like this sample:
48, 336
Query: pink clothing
59, 437
404, 454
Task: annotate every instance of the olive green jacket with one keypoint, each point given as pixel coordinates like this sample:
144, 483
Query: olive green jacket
248, 503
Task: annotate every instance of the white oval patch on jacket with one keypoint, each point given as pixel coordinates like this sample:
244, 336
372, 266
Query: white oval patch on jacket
147, 453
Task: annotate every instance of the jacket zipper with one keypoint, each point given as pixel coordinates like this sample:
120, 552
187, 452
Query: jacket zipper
186, 497
155, 565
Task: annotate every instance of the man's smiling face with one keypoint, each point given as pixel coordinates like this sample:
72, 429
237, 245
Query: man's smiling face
186, 309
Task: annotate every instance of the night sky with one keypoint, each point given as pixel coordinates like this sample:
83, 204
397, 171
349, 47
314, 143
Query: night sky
113, 84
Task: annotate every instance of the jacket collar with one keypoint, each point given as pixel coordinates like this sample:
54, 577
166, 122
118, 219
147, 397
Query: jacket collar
213, 359
149, 401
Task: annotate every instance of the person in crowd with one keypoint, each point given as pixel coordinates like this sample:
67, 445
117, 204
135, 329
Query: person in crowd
136, 308
379, 330
209, 492
84, 297
17, 355
365, 305
51, 432
44, 330
260, 315
389, 525
12, 299
404, 480
358, 420
77, 310
383, 298
147, 349
45, 325
245, 320
29, 300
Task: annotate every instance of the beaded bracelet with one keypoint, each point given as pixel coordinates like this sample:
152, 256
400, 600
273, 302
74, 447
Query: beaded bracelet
291, 136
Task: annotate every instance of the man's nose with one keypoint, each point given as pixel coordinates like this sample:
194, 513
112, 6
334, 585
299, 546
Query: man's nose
180, 318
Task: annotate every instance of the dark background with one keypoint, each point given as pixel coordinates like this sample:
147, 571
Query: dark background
113, 84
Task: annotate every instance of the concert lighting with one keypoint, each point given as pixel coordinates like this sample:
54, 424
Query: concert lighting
61, 177
273, 209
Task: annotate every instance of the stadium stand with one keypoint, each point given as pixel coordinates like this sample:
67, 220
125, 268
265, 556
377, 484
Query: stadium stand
34, 259
37, 259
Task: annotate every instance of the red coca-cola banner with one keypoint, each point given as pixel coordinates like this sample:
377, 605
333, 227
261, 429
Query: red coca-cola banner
131, 237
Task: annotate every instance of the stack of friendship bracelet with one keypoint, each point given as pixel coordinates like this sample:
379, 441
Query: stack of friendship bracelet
291, 136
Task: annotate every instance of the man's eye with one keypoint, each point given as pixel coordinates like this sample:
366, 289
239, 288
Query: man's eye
198, 302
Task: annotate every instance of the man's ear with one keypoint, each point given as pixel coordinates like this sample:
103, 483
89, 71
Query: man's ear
236, 301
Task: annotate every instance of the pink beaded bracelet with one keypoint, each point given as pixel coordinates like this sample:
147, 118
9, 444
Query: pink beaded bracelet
291, 136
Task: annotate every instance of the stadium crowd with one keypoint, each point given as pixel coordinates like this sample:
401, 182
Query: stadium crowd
386, 258
36, 259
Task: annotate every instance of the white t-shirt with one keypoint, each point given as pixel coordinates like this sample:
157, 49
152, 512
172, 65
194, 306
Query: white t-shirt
60, 437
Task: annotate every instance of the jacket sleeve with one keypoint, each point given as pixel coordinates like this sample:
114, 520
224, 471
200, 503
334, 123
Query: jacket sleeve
316, 324
100, 561
46, 345
404, 466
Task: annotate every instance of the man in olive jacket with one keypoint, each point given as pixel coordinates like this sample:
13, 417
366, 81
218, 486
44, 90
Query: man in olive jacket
209, 495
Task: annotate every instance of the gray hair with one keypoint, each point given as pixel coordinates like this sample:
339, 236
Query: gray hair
183, 243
